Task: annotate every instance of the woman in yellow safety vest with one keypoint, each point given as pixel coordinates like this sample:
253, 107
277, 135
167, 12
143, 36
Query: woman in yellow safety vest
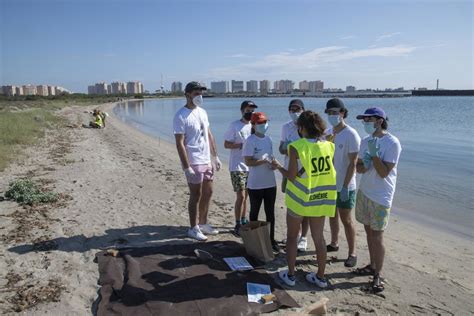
310, 192
97, 123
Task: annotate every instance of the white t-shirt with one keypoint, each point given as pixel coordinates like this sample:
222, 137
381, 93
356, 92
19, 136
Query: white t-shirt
289, 132
194, 125
237, 133
262, 176
376, 188
346, 142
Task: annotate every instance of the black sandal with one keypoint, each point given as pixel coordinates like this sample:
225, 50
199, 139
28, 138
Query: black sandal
367, 270
331, 248
377, 284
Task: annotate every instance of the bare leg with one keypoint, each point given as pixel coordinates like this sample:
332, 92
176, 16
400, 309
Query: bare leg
239, 204
334, 225
368, 231
304, 227
205, 201
194, 197
378, 249
317, 228
244, 204
346, 219
293, 223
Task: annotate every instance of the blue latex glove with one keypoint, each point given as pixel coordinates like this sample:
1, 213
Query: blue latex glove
373, 147
344, 195
367, 160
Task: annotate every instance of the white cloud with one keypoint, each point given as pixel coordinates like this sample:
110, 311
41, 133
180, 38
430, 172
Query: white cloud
388, 35
347, 37
238, 56
319, 59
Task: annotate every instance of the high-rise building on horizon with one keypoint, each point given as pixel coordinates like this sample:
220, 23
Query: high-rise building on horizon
283, 86
350, 89
237, 86
51, 90
42, 90
264, 86
304, 85
252, 86
316, 86
101, 88
177, 86
118, 87
219, 86
29, 89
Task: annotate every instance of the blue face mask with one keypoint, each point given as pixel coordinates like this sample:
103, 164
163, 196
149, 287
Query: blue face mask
334, 120
261, 128
294, 116
369, 127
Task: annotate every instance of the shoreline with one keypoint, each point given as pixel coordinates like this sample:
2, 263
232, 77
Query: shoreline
422, 219
127, 189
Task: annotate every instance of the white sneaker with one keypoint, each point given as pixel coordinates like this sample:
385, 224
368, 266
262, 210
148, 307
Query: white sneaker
196, 233
208, 229
314, 279
302, 244
283, 274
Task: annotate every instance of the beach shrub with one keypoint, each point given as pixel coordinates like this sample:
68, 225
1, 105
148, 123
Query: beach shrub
25, 191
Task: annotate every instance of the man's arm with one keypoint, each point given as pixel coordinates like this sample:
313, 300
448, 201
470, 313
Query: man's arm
383, 168
360, 166
350, 169
232, 145
252, 162
212, 143
183, 156
282, 148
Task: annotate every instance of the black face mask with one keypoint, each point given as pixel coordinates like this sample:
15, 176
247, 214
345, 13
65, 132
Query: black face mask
247, 116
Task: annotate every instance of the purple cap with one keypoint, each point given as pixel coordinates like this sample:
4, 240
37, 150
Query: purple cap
373, 112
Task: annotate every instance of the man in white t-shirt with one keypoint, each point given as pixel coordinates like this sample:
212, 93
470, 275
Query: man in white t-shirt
234, 139
196, 145
378, 159
289, 133
347, 143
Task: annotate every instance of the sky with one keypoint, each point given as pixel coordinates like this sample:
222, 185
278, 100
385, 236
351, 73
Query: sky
367, 44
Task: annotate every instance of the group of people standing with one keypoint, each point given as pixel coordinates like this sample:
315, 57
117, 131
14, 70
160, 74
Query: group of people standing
319, 177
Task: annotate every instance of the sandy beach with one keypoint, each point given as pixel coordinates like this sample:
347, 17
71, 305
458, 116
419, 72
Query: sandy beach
121, 187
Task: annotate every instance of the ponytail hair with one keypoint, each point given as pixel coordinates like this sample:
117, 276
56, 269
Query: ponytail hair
312, 123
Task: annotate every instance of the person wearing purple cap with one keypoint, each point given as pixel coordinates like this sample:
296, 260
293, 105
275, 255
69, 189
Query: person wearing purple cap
378, 159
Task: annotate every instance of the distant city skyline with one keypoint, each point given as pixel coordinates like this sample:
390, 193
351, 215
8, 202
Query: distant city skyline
340, 43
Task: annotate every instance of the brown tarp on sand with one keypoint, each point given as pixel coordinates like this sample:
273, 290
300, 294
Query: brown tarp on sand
171, 280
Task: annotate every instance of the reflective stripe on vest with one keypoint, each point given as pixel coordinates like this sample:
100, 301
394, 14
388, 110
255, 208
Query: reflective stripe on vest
315, 194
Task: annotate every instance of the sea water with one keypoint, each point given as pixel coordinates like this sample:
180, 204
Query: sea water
435, 173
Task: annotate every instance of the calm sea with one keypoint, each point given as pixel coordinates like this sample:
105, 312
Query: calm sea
435, 173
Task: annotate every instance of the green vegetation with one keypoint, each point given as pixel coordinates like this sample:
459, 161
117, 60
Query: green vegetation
22, 128
24, 119
25, 191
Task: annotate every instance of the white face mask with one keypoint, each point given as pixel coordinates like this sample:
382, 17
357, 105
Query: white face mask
334, 120
261, 128
369, 127
294, 116
197, 100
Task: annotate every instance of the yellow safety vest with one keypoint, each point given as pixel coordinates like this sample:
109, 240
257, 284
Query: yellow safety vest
98, 120
313, 193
